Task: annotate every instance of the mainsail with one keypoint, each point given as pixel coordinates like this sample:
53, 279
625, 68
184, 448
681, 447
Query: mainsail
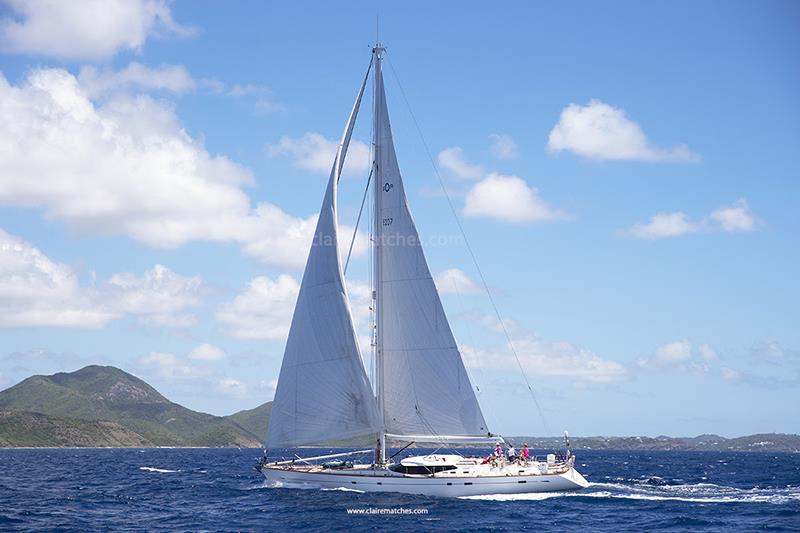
423, 386
323, 393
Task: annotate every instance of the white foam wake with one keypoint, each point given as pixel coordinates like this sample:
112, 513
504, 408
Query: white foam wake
535, 496
692, 492
344, 489
159, 470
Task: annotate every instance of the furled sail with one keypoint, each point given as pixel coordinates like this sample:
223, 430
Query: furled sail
423, 383
323, 392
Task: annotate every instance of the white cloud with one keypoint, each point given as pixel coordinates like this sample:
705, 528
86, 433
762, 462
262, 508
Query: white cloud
85, 29
769, 350
174, 78
207, 352
156, 296
664, 225
169, 320
263, 310
264, 104
508, 199
168, 366
35, 291
601, 131
545, 358
538, 356
735, 218
269, 387
681, 354
315, 152
455, 281
276, 238
452, 159
729, 373
673, 352
707, 352
503, 146
232, 387
128, 167
731, 219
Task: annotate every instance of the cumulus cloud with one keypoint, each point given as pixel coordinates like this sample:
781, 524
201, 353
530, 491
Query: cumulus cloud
729, 373
169, 366
37, 291
681, 354
772, 350
125, 167
277, 238
538, 356
263, 310
85, 29
455, 281
268, 387
546, 358
508, 199
232, 387
503, 146
173, 78
158, 295
736, 217
207, 352
731, 219
452, 160
664, 225
707, 352
673, 352
128, 167
315, 152
601, 131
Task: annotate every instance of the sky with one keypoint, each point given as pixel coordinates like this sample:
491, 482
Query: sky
625, 173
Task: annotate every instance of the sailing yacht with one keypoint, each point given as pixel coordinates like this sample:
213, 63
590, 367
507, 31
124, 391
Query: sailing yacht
422, 393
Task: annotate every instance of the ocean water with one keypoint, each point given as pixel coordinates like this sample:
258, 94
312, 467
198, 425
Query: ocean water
218, 490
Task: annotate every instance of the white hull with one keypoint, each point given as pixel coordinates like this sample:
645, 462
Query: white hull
382, 480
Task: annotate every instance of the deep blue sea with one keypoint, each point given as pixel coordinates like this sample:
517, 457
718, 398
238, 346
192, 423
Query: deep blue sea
218, 490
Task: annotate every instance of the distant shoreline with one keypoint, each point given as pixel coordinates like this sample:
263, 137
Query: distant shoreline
103, 407
780, 443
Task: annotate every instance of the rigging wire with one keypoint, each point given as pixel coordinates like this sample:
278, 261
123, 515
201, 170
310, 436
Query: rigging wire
358, 220
487, 408
469, 248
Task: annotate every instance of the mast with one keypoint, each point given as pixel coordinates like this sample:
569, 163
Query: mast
377, 245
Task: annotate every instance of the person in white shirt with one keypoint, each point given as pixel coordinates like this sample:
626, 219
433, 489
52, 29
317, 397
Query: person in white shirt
512, 453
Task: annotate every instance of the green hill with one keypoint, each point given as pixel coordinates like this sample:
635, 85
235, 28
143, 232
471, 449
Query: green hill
108, 394
25, 429
254, 420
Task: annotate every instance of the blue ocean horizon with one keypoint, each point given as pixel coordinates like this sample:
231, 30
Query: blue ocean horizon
198, 489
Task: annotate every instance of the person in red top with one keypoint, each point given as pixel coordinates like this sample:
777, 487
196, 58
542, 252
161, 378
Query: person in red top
524, 455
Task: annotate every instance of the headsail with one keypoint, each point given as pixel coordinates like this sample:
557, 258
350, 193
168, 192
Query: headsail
323, 393
424, 385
